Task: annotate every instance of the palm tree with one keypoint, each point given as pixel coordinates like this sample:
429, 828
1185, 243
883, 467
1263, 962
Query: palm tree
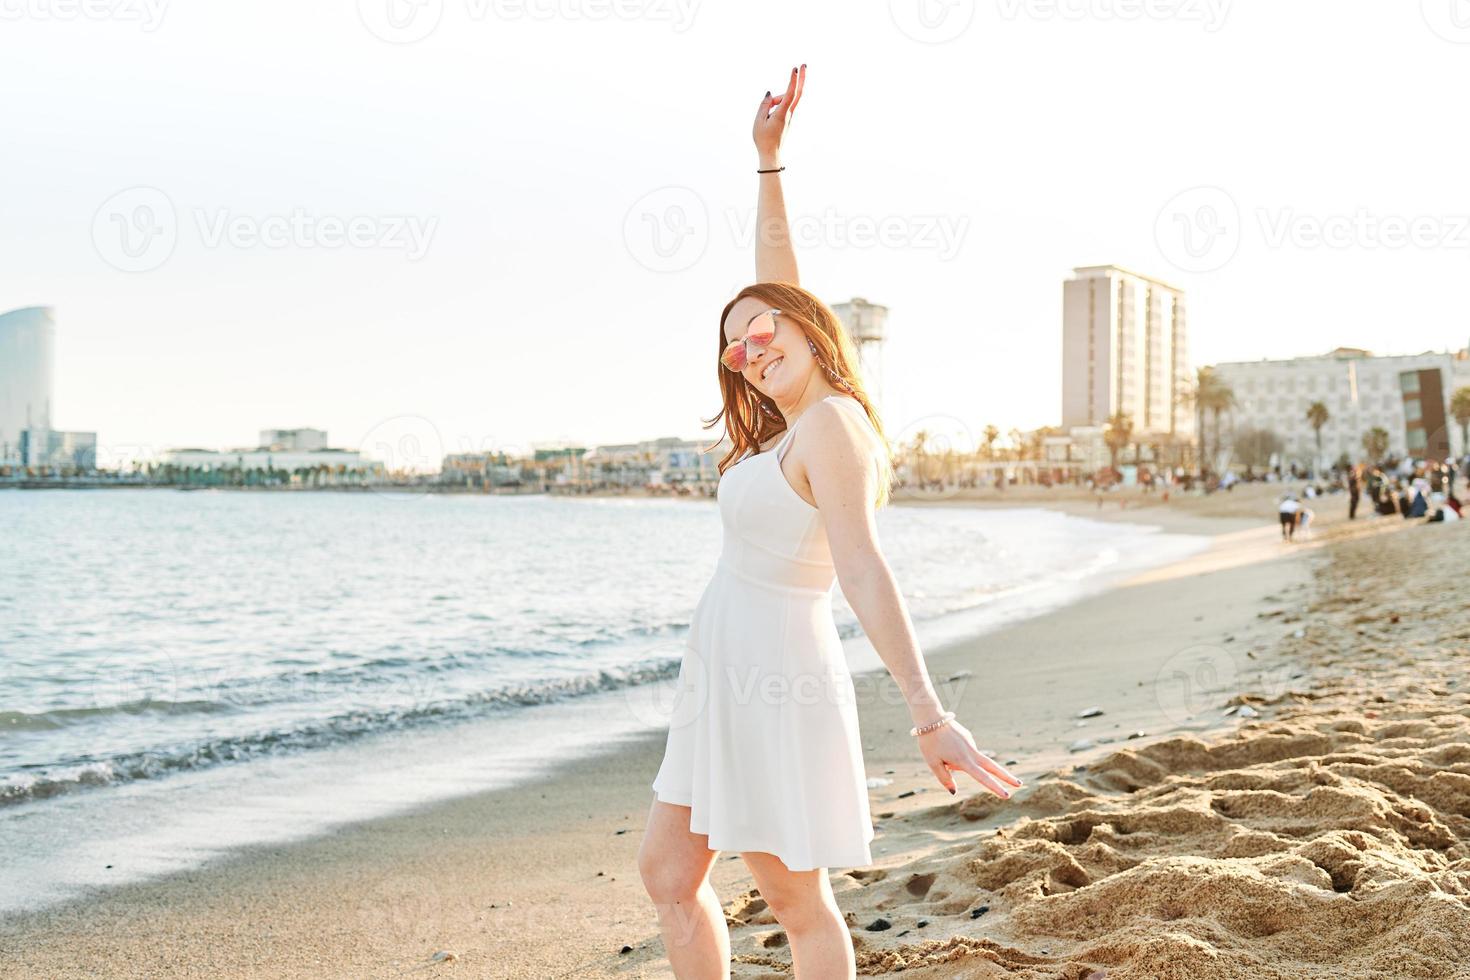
1317, 415
1460, 409
1118, 436
991, 434
1211, 394
1375, 443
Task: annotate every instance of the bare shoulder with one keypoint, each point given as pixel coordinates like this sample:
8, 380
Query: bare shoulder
839, 429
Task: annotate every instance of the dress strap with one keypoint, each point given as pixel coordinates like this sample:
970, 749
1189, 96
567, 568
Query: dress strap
780, 448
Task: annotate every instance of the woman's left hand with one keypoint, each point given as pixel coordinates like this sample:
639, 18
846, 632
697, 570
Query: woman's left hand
950, 747
776, 113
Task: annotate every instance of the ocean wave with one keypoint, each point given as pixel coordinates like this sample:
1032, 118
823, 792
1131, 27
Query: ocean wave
39, 721
52, 779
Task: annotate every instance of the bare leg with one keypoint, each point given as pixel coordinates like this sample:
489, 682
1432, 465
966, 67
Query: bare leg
802, 901
675, 864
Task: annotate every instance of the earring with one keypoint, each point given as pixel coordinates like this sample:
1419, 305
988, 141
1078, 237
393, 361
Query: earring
770, 412
836, 378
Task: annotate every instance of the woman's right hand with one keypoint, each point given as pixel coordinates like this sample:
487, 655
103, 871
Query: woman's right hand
774, 116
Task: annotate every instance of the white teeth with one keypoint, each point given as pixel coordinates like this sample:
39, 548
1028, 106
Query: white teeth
771, 367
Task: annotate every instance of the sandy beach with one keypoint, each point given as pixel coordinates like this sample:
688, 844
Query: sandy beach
1277, 785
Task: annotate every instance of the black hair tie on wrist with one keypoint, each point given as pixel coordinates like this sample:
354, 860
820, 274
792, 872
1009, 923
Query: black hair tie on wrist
775, 171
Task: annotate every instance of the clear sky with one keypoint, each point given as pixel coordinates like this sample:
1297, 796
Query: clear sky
548, 203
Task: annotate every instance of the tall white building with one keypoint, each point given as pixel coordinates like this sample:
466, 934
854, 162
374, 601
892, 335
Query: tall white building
27, 378
1125, 350
27, 356
1361, 392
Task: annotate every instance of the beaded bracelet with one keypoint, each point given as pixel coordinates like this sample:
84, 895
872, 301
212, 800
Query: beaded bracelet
944, 719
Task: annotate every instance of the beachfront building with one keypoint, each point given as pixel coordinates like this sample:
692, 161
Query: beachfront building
1125, 351
299, 440
318, 467
867, 324
27, 378
666, 462
483, 471
1407, 396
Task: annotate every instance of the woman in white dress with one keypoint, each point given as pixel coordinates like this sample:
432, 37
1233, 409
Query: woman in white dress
763, 754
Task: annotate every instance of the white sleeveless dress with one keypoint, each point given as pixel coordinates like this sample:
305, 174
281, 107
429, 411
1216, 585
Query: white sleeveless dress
763, 741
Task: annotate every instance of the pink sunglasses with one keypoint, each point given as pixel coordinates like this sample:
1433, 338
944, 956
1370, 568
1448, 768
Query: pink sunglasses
758, 336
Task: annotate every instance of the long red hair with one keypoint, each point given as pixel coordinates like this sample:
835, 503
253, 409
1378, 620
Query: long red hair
746, 424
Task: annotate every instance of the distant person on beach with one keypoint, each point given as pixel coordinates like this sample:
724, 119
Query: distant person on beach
1355, 491
1304, 521
1287, 511
763, 755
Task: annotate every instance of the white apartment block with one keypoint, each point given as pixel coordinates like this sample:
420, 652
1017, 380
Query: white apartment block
1361, 392
1124, 350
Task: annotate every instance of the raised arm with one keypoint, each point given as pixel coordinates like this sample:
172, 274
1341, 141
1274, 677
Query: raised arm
774, 257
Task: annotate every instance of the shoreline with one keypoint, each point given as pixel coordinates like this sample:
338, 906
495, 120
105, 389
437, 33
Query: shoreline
531, 882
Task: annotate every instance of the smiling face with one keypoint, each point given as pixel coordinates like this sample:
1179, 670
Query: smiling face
780, 370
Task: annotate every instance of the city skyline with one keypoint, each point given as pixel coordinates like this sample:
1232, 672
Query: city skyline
1126, 292
216, 268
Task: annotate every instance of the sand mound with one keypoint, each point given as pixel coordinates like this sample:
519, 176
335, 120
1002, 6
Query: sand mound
1328, 839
